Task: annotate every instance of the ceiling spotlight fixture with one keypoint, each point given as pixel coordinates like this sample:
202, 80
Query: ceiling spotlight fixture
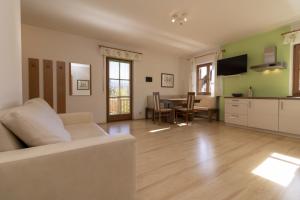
179, 18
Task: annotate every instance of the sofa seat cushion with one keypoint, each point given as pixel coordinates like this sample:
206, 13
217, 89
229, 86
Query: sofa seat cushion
85, 130
36, 123
201, 108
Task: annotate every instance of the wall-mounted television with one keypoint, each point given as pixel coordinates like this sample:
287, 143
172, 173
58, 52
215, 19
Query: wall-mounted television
232, 66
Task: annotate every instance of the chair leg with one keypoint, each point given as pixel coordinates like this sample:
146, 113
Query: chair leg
159, 117
187, 118
210, 115
173, 116
153, 114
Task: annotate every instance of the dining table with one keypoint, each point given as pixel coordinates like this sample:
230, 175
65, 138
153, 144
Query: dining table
170, 103
173, 102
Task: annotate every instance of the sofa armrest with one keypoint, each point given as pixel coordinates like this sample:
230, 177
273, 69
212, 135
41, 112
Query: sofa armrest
76, 118
93, 168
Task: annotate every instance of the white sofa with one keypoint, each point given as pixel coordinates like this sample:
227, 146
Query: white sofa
93, 166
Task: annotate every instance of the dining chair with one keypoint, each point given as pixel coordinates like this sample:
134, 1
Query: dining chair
161, 111
188, 110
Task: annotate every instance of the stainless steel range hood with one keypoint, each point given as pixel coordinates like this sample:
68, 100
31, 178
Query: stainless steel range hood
270, 61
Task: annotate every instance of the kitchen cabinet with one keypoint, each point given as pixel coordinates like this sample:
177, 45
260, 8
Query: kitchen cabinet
263, 114
236, 111
289, 116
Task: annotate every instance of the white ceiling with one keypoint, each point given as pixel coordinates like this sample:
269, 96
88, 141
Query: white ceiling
146, 23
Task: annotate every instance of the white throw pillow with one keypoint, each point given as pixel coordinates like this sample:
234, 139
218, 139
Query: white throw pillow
36, 123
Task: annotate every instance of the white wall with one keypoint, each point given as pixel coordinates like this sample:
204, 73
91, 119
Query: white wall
10, 54
48, 44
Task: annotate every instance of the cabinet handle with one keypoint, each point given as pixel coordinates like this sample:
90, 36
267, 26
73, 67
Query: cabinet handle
281, 105
250, 105
235, 105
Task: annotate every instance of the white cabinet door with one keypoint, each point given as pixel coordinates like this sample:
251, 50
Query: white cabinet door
263, 114
289, 116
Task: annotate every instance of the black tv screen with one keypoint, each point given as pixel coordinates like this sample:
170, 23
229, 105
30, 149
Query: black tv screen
232, 66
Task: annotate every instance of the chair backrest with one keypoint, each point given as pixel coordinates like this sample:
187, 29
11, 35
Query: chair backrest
190, 100
156, 101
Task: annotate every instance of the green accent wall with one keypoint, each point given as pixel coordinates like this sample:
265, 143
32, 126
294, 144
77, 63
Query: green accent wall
264, 84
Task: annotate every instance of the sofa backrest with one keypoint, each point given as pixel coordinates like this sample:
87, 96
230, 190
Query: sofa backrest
8, 141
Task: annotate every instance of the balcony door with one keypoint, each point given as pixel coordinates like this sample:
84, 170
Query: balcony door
119, 89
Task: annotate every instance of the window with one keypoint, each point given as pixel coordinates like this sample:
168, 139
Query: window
296, 71
205, 79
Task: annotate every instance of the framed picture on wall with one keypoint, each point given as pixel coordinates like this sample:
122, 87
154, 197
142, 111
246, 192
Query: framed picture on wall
83, 84
167, 80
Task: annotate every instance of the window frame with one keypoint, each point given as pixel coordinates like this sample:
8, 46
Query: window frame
209, 67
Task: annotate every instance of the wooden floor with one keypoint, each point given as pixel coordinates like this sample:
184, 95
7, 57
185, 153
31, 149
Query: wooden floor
212, 161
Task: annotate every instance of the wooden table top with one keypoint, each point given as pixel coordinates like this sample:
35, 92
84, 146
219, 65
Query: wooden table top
174, 99
179, 100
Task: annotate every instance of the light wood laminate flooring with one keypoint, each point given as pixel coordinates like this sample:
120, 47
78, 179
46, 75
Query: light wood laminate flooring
212, 161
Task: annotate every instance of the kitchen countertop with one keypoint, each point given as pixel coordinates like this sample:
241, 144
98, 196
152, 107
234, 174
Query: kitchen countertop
286, 98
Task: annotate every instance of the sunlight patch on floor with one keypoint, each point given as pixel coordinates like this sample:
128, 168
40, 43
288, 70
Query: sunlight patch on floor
182, 124
278, 168
160, 129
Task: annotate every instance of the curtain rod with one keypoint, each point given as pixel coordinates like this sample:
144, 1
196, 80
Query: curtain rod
296, 30
120, 49
207, 54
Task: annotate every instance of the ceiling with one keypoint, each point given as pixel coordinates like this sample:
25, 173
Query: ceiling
145, 24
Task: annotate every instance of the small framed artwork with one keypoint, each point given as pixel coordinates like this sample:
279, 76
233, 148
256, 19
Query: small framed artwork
167, 80
83, 84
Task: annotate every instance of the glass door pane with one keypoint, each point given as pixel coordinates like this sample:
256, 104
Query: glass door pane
203, 77
119, 90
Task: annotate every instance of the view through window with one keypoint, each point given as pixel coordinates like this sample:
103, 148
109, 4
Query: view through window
205, 79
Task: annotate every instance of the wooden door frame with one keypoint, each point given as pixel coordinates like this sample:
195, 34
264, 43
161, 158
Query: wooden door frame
295, 71
124, 116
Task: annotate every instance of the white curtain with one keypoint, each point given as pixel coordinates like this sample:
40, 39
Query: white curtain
209, 58
292, 38
121, 54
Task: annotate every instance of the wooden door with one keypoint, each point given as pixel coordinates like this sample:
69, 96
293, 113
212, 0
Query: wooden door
289, 115
48, 81
33, 78
296, 71
61, 86
263, 114
119, 89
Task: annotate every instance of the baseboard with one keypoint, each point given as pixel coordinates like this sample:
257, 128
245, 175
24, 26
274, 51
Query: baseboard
264, 130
